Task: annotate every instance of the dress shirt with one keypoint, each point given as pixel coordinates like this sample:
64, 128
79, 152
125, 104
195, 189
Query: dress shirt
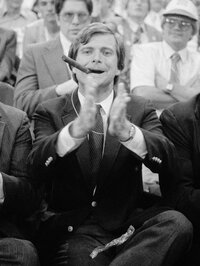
65, 43
66, 143
152, 63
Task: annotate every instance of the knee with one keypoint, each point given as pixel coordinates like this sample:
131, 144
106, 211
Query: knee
21, 251
180, 225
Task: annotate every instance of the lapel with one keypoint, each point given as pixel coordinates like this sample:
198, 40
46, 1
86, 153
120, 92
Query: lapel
53, 59
82, 153
197, 122
111, 150
2, 128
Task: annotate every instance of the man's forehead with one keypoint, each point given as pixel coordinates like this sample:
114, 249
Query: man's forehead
101, 39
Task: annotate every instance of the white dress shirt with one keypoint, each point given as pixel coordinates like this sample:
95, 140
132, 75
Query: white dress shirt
66, 143
152, 63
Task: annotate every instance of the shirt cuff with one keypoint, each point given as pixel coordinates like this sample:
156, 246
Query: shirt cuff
137, 144
66, 143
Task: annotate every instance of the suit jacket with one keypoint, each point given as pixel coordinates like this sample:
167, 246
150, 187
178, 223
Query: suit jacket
40, 71
8, 44
15, 145
181, 123
119, 192
34, 33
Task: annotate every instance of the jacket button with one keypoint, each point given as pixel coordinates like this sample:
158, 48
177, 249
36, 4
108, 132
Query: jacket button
70, 228
94, 204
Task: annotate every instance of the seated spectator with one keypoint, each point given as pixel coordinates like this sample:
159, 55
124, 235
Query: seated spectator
42, 74
16, 18
167, 72
94, 190
105, 13
8, 43
154, 16
17, 196
181, 124
44, 29
133, 29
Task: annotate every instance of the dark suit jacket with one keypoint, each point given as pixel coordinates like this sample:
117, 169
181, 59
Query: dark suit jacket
181, 123
40, 71
15, 145
119, 187
8, 43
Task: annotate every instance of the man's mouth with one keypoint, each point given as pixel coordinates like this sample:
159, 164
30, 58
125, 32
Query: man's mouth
96, 71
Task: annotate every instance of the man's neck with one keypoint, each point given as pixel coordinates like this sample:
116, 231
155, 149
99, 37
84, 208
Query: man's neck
52, 26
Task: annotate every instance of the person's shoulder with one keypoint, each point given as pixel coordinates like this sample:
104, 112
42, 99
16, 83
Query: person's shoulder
184, 111
147, 49
11, 114
55, 105
38, 48
7, 32
35, 24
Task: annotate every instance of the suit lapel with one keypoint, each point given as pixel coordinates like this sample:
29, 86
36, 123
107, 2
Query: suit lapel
82, 152
53, 59
2, 128
197, 123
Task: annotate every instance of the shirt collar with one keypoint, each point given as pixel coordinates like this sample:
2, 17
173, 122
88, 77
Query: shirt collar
65, 43
168, 51
105, 104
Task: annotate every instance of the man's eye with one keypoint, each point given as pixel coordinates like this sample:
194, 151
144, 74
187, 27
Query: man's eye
87, 52
107, 52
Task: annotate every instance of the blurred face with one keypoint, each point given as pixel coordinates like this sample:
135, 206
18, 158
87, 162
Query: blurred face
73, 17
156, 5
14, 4
47, 9
177, 31
100, 56
137, 8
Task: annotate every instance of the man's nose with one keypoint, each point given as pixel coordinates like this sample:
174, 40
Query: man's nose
96, 56
75, 19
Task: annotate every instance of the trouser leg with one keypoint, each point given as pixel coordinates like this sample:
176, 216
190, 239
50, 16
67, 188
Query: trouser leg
162, 240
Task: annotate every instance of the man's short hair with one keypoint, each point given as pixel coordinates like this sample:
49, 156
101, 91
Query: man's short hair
59, 5
88, 32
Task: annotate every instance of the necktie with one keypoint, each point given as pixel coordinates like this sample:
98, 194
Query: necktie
174, 76
96, 137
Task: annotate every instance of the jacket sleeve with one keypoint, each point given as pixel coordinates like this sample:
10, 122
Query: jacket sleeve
27, 93
19, 193
9, 55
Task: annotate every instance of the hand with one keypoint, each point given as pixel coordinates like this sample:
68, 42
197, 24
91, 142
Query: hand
66, 87
87, 116
119, 125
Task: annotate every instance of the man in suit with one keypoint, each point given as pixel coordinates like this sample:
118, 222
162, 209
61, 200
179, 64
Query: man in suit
88, 153
43, 29
42, 74
17, 196
8, 43
181, 123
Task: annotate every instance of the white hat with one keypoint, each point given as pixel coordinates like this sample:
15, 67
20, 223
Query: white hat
181, 7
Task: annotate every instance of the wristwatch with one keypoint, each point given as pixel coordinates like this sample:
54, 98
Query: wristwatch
169, 88
131, 134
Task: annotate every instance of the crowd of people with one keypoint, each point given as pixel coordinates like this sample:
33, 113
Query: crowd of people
100, 166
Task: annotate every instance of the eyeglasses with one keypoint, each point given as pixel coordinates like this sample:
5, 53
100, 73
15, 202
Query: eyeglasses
182, 24
69, 16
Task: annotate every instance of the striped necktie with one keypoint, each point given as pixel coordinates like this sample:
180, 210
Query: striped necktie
96, 138
174, 76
